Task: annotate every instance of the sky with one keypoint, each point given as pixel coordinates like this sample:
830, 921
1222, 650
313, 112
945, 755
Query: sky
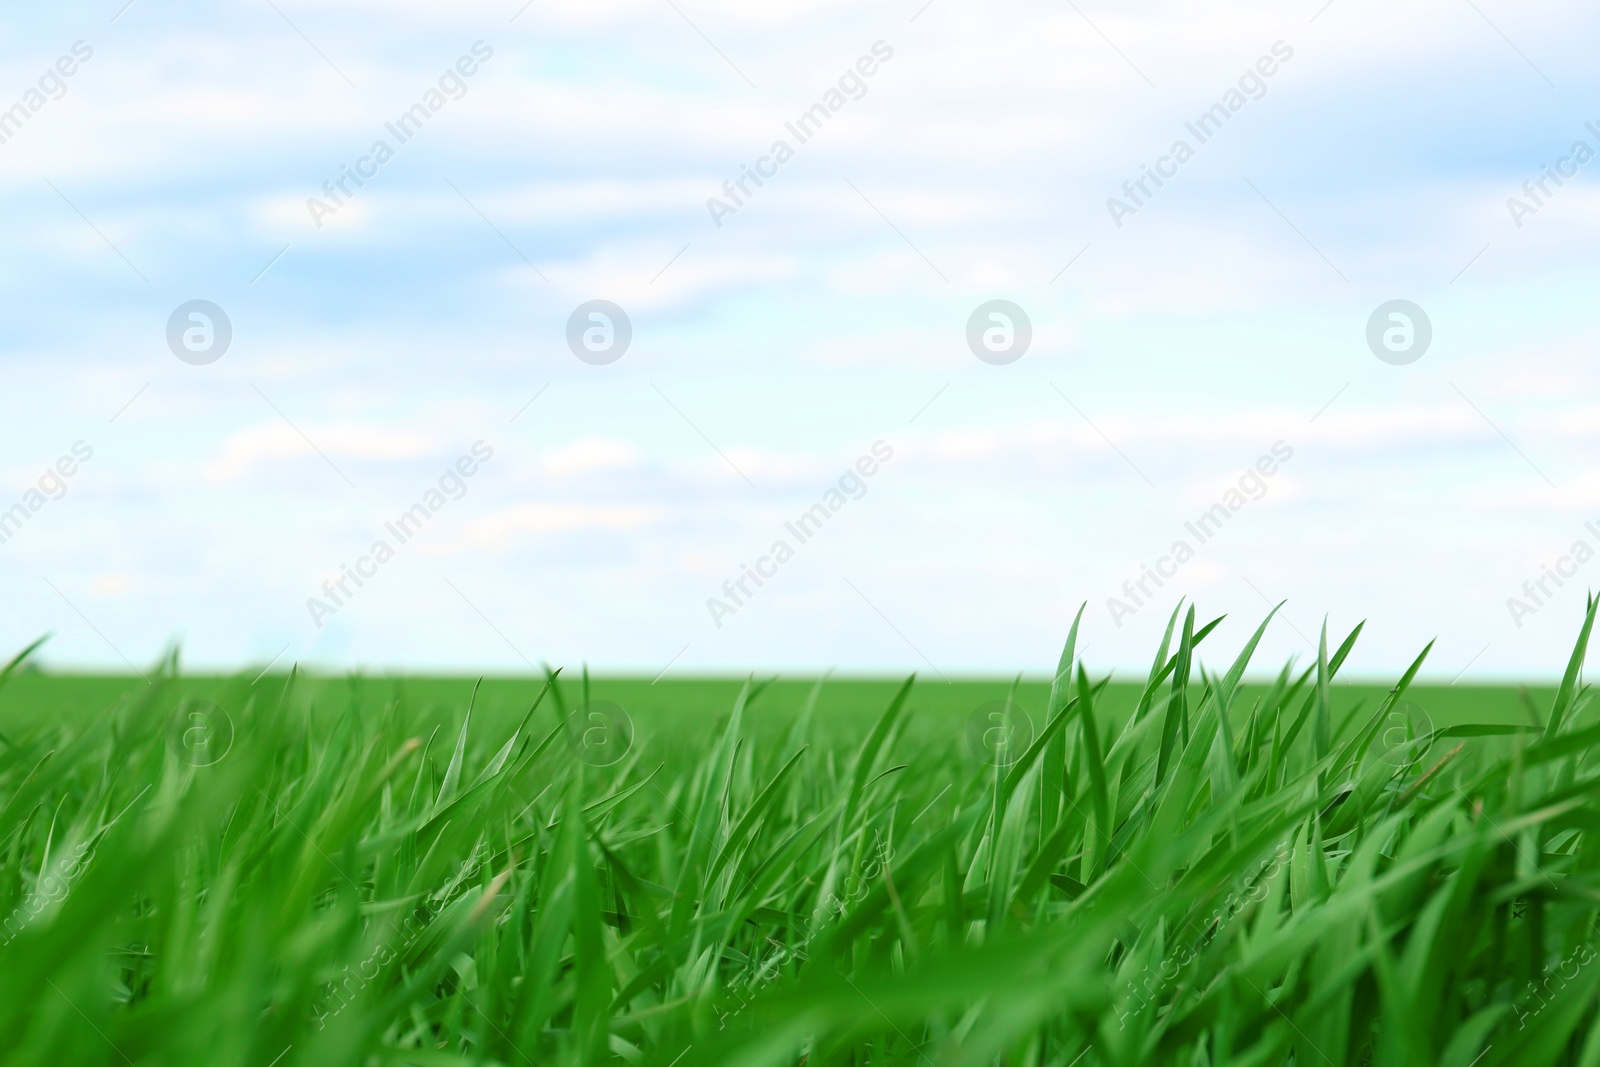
418, 450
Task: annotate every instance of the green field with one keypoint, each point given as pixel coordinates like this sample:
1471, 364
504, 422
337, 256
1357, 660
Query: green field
698, 705
1189, 868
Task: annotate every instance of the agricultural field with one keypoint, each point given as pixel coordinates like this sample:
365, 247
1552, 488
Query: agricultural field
1219, 863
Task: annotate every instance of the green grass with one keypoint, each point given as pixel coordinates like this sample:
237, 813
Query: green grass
1188, 869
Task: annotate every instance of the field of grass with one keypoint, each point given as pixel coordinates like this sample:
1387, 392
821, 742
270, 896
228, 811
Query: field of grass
1188, 869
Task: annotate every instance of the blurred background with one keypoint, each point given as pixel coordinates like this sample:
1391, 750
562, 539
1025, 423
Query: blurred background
206, 473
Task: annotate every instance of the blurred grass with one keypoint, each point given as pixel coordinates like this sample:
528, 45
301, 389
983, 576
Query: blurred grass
433, 871
694, 704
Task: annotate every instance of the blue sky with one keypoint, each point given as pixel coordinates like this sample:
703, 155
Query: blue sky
1228, 314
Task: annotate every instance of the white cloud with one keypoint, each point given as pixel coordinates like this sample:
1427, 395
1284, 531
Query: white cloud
527, 523
589, 455
244, 450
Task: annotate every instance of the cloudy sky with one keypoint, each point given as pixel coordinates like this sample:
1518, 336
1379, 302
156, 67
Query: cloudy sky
1357, 153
